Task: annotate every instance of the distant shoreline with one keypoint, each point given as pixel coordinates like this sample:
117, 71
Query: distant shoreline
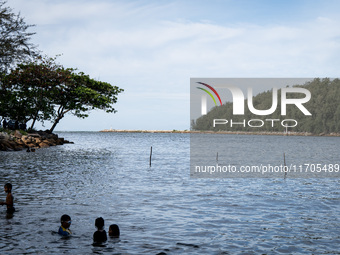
147, 131
221, 132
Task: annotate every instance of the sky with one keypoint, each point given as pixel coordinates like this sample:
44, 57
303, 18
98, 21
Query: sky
151, 49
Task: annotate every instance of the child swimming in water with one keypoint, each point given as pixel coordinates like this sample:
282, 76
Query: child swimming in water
100, 235
9, 199
114, 231
64, 229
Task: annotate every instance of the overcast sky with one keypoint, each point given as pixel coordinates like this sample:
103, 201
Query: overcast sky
151, 49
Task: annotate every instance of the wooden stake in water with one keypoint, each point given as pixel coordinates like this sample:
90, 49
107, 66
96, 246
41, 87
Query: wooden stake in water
285, 168
150, 155
217, 158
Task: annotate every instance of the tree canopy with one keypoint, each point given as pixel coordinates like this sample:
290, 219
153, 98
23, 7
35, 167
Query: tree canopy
43, 90
15, 45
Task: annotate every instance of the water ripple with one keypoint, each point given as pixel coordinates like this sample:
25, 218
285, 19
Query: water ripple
160, 209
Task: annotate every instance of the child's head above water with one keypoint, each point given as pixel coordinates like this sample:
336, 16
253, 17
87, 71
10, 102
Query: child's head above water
114, 231
99, 223
64, 229
65, 221
8, 187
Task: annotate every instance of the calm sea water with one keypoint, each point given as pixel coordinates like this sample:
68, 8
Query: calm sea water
160, 209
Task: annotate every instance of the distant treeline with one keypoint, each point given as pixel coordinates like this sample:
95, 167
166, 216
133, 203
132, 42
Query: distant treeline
324, 106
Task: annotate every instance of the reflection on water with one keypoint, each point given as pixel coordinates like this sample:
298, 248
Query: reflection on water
159, 210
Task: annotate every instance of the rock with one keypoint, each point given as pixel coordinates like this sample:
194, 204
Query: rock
60, 141
17, 134
20, 142
38, 140
26, 139
34, 135
44, 145
4, 135
17, 141
50, 141
8, 145
3, 146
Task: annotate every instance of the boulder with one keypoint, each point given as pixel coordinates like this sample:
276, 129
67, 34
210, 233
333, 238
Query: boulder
27, 139
17, 141
20, 142
38, 140
35, 135
51, 142
4, 135
17, 134
8, 145
44, 145
60, 141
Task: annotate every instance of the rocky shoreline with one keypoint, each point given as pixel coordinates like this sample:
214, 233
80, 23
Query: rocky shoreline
16, 140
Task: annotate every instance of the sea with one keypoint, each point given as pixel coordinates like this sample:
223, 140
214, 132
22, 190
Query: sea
142, 182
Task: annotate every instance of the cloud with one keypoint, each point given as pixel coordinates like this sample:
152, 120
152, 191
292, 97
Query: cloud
101, 34
151, 49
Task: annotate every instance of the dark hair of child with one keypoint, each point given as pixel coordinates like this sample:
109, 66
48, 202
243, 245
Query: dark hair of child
9, 186
114, 231
99, 223
65, 217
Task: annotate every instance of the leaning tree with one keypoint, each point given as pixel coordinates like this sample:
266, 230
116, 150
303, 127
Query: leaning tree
80, 94
42, 90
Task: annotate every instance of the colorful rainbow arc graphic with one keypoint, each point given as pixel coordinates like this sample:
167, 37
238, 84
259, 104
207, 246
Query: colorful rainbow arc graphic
213, 90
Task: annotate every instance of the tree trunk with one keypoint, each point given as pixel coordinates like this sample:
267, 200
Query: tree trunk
55, 123
33, 123
61, 114
34, 119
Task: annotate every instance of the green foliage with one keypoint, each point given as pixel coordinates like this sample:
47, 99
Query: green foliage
15, 47
324, 106
43, 90
30, 89
15, 43
23, 132
81, 94
5, 130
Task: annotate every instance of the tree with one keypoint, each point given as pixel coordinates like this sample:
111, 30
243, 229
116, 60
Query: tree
31, 88
43, 90
15, 43
81, 94
15, 47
